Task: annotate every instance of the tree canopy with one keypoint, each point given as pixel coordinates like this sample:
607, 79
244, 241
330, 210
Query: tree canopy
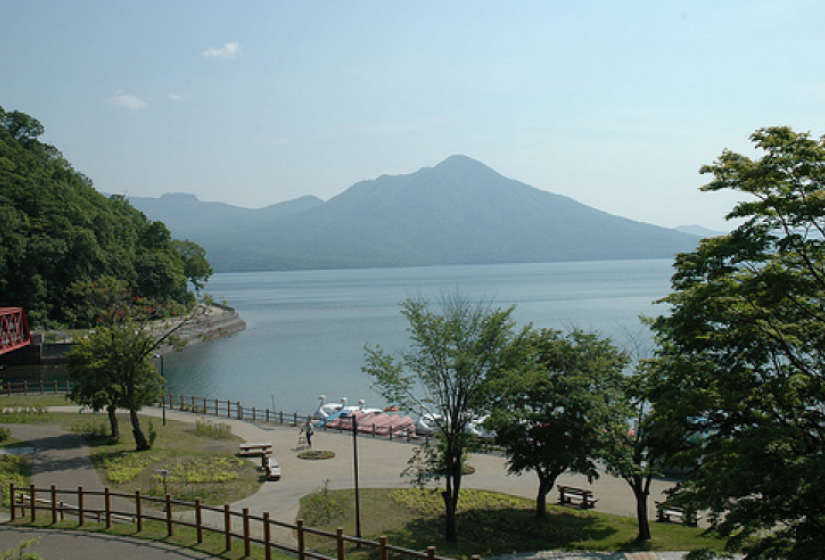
455, 347
738, 376
58, 231
551, 408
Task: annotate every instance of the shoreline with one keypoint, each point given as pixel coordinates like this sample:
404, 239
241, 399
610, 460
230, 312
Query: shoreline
47, 360
218, 321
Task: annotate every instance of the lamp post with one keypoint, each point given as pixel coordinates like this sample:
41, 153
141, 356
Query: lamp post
355, 469
163, 396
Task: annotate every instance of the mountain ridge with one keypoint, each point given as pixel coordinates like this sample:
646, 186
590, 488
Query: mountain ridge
457, 212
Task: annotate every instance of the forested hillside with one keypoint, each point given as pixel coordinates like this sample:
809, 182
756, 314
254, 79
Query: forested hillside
62, 243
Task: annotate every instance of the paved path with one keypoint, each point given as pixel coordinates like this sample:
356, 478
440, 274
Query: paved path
63, 460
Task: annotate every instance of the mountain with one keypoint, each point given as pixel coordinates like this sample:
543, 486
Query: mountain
700, 231
458, 212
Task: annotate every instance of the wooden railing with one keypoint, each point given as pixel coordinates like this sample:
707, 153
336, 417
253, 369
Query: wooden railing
235, 526
40, 387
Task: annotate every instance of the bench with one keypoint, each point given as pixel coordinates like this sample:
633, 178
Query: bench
255, 449
271, 468
569, 495
666, 513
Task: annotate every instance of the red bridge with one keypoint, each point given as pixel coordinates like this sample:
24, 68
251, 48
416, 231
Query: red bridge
14, 329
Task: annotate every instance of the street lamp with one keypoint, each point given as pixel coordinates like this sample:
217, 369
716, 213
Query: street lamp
355, 469
163, 396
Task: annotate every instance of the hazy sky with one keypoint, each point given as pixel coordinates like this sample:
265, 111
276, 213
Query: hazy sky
614, 103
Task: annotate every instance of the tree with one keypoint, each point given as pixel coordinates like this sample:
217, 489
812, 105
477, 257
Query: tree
454, 348
57, 230
551, 410
112, 367
738, 375
195, 266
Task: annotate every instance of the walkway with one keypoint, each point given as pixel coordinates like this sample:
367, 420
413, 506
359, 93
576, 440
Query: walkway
62, 459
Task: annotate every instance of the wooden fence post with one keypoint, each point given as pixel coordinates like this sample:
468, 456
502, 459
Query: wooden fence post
169, 525
199, 520
107, 504
139, 511
12, 509
253, 413
81, 507
382, 547
33, 502
54, 504
431, 553
42, 389
227, 526
247, 545
267, 536
26, 387
228, 408
339, 544
301, 544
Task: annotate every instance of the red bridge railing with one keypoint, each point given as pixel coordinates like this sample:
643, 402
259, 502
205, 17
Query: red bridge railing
14, 329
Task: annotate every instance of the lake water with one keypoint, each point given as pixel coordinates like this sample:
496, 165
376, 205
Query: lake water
306, 329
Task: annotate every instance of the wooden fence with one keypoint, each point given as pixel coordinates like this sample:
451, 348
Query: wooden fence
235, 526
40, 387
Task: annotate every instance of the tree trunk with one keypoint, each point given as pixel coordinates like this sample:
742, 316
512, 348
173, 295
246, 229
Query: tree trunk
541, 500
141, 443
114, 425
546, 482
641, 493
450, 495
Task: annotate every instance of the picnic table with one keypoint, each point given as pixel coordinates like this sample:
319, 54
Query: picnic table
570, 494
255, 449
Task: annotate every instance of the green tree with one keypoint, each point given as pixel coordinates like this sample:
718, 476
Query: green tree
58, 231
195, 266
454, 348
112, 367
551, 411
738, 376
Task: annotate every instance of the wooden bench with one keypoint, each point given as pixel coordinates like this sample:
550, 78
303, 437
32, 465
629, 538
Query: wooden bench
666, 513
569, 495
255, 449
271, 468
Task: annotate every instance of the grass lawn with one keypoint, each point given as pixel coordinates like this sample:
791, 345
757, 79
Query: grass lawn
489, 524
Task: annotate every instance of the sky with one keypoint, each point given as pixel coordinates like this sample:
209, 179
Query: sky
616, 104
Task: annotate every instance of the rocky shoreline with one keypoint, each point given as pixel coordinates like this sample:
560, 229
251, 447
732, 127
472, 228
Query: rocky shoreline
217, 321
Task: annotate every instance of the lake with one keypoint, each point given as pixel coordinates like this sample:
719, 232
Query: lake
306, 329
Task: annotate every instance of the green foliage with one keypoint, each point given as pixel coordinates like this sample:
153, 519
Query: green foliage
23, 414
61, 238
737, 386
19, 552
454, 349
321, 508
204, 470
316, 455
552, 408
122, 468
428, 501
89, 427
13, 468
5, 433
214, 430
